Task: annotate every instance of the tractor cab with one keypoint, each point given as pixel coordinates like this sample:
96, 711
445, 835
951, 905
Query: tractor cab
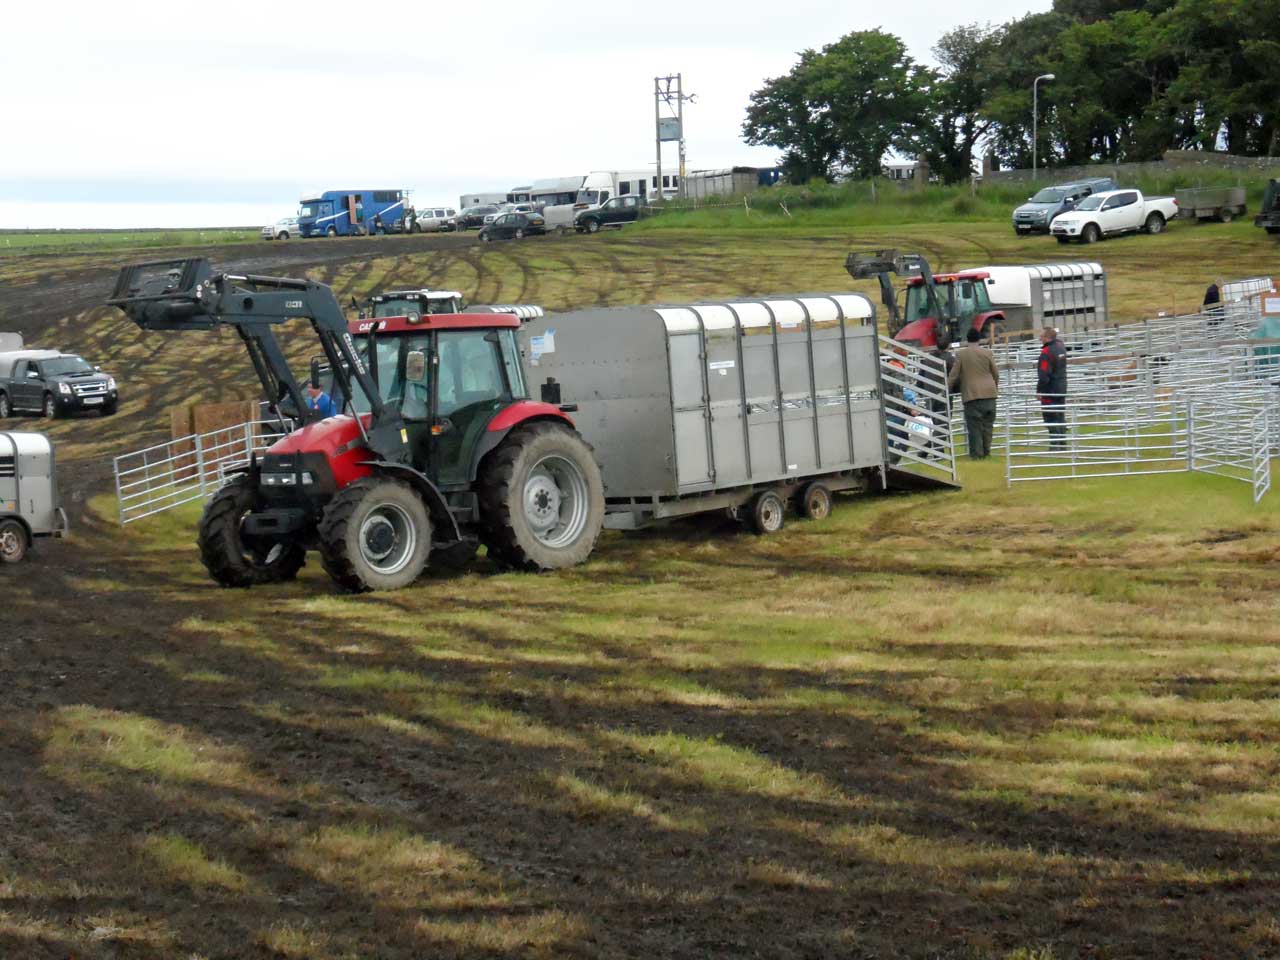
963, 303
448, 375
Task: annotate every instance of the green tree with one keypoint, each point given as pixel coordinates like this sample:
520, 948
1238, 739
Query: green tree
842, 107
953, 122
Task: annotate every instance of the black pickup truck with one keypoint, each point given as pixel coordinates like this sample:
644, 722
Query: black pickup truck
53, 384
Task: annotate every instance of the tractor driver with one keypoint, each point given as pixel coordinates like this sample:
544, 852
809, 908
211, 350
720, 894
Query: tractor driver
320, 401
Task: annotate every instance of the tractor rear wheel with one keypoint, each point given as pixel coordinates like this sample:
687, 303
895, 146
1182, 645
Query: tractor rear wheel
13, 541
375, 535
236, 560
541, 499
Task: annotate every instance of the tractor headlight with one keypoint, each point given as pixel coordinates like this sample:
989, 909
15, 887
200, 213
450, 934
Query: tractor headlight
287, 479
64, 388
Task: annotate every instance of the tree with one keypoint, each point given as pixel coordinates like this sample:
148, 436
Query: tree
953, 123
845, 106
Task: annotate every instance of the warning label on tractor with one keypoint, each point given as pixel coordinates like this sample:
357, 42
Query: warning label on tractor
545, 343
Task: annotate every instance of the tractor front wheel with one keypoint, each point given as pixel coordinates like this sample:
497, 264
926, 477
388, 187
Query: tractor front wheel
375, 535
541, 499
234, 559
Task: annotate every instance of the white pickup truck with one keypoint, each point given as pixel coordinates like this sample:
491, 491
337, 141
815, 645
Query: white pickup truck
1115, 211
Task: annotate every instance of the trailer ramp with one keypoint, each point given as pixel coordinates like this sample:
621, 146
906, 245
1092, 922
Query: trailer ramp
919, 442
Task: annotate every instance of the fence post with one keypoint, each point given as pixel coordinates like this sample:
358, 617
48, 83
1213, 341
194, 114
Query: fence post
200, 462
115, 463
1191, 435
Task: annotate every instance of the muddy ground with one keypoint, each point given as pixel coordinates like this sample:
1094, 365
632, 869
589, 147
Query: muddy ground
513, 794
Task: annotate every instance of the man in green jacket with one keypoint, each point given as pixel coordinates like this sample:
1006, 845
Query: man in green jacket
976, 375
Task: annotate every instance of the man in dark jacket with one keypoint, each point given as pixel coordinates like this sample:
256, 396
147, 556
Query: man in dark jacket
976, 376
1051, 387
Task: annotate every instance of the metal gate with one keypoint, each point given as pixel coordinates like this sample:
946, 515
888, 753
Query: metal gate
188, 469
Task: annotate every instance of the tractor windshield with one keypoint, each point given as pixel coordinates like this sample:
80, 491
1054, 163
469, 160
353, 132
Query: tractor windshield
918, 301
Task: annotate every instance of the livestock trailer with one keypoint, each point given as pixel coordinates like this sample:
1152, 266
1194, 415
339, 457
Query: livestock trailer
1069, 296
1211, 203
711, 405
29, 506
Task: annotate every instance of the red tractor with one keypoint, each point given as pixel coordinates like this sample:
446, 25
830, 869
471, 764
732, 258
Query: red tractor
941, 308
436, 447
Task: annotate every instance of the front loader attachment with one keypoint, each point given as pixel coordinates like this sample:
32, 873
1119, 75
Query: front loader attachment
165, 294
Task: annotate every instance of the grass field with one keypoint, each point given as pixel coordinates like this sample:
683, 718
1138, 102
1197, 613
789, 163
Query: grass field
78, 241
1008, 724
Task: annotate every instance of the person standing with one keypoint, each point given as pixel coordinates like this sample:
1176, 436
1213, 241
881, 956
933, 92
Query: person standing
976, 376
1051, 387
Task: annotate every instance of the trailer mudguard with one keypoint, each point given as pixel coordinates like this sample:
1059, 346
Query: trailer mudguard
429, 492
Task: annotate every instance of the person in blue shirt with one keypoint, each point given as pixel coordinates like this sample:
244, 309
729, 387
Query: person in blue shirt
320, 401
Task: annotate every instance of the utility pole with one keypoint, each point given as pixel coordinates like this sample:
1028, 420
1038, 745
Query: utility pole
675, 100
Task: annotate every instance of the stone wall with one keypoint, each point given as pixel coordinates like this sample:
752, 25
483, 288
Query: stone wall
1173, 162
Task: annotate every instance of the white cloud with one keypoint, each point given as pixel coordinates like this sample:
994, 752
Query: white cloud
440, 98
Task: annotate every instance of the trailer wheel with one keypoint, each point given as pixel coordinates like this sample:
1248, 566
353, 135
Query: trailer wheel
231, 559
14, 541
1155, 224
541, 499
814, 501
375, 535
1226, 215
6, 408
767, 513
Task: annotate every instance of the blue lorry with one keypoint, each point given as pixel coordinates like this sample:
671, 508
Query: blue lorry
347, 213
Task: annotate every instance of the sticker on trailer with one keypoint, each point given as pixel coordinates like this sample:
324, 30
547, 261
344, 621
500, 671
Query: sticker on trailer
722, 366
545, 343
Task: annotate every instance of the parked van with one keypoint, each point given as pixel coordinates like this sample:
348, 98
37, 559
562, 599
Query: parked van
1036, 215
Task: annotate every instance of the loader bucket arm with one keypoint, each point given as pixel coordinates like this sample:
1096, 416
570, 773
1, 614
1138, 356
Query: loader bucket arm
881, 263
188, 295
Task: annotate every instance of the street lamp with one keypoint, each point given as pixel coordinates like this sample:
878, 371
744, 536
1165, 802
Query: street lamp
1035, 116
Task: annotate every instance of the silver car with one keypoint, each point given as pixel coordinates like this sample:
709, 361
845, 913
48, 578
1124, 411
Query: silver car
281, 229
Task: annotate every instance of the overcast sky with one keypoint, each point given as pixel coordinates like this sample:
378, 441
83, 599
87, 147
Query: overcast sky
152, 114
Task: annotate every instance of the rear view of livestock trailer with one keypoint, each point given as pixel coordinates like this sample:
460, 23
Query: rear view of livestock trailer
1069, 296
745, 404
29, 505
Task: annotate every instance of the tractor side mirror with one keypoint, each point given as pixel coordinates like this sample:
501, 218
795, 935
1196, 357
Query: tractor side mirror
415, 367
